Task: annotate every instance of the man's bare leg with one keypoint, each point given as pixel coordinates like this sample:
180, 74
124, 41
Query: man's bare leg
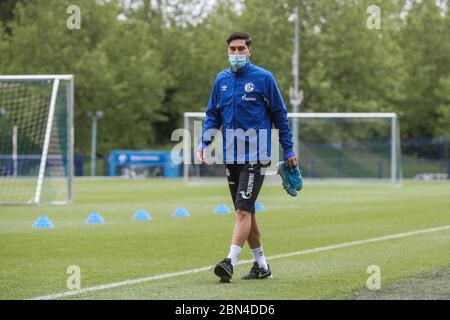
254, 241
241, 227
254, 236
241, 231
224, 269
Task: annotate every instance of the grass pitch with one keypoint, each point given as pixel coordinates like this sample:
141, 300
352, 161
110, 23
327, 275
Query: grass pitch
34, 262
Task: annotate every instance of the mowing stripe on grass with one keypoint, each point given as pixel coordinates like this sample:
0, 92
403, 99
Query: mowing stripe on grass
206, 268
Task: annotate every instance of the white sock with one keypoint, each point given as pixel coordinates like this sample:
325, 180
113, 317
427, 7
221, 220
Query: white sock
234, 253
258, 255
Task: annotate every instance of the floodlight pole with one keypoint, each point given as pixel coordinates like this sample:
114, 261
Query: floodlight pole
95, 116
296, 95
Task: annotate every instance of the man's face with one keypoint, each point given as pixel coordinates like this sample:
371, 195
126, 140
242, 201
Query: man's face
238, 47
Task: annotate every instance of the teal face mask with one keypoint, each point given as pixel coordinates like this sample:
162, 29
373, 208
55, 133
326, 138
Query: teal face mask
237, 61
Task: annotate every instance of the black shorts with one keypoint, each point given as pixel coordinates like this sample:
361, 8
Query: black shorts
245, 182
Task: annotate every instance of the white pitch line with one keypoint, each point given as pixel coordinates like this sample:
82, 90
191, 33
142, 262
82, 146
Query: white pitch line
206, 268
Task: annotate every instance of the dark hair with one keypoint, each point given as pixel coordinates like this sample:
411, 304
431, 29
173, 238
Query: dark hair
240, 36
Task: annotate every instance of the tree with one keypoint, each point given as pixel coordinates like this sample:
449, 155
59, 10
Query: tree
146, 63
425, 42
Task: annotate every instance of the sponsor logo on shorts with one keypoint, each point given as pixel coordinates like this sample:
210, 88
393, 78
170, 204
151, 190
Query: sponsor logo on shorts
248, 194
227, 172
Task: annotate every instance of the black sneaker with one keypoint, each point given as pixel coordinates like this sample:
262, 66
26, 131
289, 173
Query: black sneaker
224, 270
258, 273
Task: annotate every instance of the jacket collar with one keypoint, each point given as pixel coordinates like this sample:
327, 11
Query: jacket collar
245, 69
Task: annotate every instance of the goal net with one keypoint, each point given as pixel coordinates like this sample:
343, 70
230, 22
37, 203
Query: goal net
36, 139
330, 146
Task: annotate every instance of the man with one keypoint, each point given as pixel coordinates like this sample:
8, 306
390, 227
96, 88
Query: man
245, 99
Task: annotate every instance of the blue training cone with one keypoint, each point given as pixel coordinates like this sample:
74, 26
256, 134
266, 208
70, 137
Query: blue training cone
259, 206
141, 215
180, 212
222, 209
43, 222
94, 218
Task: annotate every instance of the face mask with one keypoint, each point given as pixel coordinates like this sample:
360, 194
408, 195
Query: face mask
237, 61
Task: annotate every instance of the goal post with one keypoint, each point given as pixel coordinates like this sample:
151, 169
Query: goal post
332, 146
36, 139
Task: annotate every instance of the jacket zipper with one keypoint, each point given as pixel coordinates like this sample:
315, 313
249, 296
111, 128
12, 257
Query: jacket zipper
234, 114
234, 102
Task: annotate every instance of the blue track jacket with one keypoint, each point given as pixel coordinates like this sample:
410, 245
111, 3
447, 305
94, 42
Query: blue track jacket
245, 99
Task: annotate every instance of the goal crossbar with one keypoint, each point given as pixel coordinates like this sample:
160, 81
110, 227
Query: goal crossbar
37, 77
319, 115
394, 132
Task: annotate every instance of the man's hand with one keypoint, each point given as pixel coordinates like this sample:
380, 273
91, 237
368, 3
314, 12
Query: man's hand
201, 155
291, 162
291, 176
